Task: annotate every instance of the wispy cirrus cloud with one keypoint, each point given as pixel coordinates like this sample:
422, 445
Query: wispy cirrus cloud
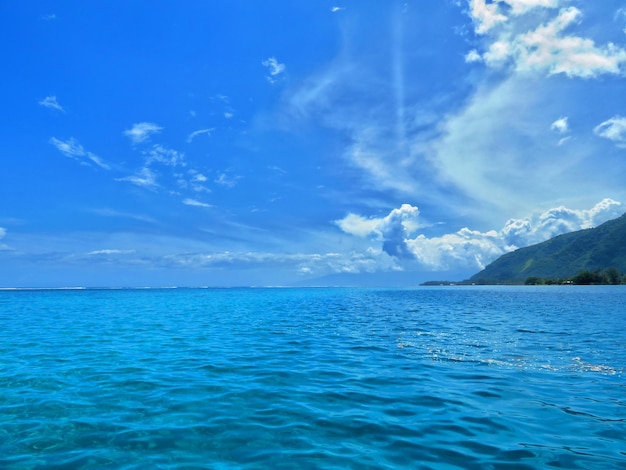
3, 233
52, 103
195, 134
613, 129
492, 146
144, 178
141, 132
73, 149
164, 156
196, 203
109, 252
227, 179
107, 212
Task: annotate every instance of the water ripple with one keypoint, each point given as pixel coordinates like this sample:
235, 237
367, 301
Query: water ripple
321, 378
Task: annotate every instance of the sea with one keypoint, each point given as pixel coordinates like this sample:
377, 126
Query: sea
467, 377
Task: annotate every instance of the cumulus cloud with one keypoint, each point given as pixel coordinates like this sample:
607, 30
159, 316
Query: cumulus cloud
140, 132
485, 15
73, 149
488, 15
547, 47
275, 69
471, 249
613, 129
393, 229
406, 217
52, 103
522, 6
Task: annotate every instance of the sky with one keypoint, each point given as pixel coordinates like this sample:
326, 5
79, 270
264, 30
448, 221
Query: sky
309, 142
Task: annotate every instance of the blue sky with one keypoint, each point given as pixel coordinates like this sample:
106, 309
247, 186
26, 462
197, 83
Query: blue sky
235, 142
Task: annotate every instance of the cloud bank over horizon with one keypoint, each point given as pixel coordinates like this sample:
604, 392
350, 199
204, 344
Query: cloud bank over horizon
468, 248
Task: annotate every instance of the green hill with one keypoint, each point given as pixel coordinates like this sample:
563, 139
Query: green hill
562, 257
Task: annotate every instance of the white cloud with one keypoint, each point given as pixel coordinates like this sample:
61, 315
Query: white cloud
73, 149
69, 148
560, 125
393, 229
404, 218
347, 98
142, 131
306, 264
520, 7
275, 69
194, 180
485, 15
547, 48
335, 9
51, 102
224, 179
613, 129
195, 203
3, 232
198, 177
471, 249
145, 178
492, 147
357, 225
461, 250
473, 56
126, 215
98, 161
194, 134
108, 252
522, 232
164, 156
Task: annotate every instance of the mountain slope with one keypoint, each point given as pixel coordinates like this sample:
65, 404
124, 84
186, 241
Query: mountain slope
563, 256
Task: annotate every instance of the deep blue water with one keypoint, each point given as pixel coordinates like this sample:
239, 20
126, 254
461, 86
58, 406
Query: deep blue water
439, 378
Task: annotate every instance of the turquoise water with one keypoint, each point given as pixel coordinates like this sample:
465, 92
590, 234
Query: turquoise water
439, 378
